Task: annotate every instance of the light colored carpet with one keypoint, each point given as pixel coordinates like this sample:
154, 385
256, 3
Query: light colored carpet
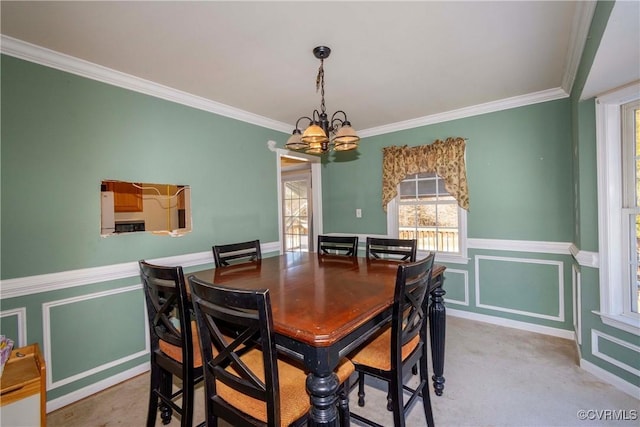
495, 376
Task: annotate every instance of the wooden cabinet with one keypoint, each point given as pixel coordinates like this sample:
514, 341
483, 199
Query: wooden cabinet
127, 197
23, 397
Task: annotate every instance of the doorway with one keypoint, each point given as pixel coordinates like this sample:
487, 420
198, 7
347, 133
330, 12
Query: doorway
297, 205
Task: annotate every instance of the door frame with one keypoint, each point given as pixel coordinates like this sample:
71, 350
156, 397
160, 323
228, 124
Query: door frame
316, 190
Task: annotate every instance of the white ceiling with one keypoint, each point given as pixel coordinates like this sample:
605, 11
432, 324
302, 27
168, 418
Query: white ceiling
390, 61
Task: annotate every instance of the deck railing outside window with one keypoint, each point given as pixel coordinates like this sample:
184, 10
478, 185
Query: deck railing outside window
432, 239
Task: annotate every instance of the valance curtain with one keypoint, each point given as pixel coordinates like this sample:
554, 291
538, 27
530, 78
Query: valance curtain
446, 159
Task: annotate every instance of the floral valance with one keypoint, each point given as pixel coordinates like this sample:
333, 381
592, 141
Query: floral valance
444, 158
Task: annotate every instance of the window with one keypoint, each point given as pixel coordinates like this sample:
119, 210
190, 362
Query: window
425, 211
617, 145
630, 207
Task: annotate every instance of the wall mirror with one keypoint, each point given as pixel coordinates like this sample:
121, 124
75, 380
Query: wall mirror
129, 207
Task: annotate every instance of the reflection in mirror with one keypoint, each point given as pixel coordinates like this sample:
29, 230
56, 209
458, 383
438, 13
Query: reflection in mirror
128, 207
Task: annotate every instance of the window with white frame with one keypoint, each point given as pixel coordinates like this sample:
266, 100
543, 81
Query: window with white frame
630, 207
618, 213
425, 211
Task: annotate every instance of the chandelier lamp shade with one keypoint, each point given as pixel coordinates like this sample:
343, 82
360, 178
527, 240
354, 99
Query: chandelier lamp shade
323, 133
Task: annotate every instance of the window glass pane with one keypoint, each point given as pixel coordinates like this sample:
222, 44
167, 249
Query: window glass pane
441, 189
426, 215
447, 215
425, 175
407, 216
427, 188
407, 190
637, 154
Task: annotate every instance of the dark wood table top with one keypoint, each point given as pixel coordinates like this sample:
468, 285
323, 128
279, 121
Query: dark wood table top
317, 300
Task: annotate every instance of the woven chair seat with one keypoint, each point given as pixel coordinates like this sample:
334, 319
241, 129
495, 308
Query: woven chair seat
294, 399
377, 353
175, 352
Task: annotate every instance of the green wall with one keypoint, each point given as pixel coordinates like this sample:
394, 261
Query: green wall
63, 134
518, 167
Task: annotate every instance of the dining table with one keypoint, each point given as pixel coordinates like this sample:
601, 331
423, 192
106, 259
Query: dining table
325, 307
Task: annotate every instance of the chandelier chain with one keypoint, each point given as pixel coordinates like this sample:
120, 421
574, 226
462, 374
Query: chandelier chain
320, 85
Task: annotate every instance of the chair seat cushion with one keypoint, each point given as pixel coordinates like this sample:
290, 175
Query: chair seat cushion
294, 399
175, 352
377, 353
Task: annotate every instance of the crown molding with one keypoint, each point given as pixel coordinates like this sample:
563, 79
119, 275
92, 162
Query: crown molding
50, 58
476, 110
579, 31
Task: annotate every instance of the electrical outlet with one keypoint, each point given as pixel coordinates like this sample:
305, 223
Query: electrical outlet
358, 213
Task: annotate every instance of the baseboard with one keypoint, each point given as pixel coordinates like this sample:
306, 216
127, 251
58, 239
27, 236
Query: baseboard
608, 377
500, 321
94, 388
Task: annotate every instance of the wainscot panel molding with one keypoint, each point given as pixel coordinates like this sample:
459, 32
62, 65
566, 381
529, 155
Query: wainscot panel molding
96, 387
596, 336
509, 323
560, 275
465, 277
21, 320
22, 286
46, 324
576, 283
50, 58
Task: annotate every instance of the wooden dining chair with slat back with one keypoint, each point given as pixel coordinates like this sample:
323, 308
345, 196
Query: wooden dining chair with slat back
246, 383
174, 343
403, 250
338, 245
225, 255
399, 347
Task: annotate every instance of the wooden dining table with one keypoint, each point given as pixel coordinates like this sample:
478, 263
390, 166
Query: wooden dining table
326, 306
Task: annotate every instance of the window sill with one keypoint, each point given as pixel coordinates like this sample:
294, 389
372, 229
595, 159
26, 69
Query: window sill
621, 321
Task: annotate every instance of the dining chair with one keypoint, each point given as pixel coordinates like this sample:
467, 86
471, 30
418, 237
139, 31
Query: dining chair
246, 383
399, 347
392, 249
224, 255
174, 343
338, 245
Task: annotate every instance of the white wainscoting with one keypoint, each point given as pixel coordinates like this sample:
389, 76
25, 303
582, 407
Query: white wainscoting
559, 317
46, 326
21, 315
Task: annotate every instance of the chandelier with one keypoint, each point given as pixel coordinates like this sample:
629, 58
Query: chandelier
321, 133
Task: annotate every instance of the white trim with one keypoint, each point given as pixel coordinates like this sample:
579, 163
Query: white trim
576, 282
577, 40
608, 377
46, 338
316, 189
609, 181
49, 58
561, 248
476, 110
23, 286
509, 323
585, 258
465, 273
559, 264
94, 388
623, 322
595, 350
21, 314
